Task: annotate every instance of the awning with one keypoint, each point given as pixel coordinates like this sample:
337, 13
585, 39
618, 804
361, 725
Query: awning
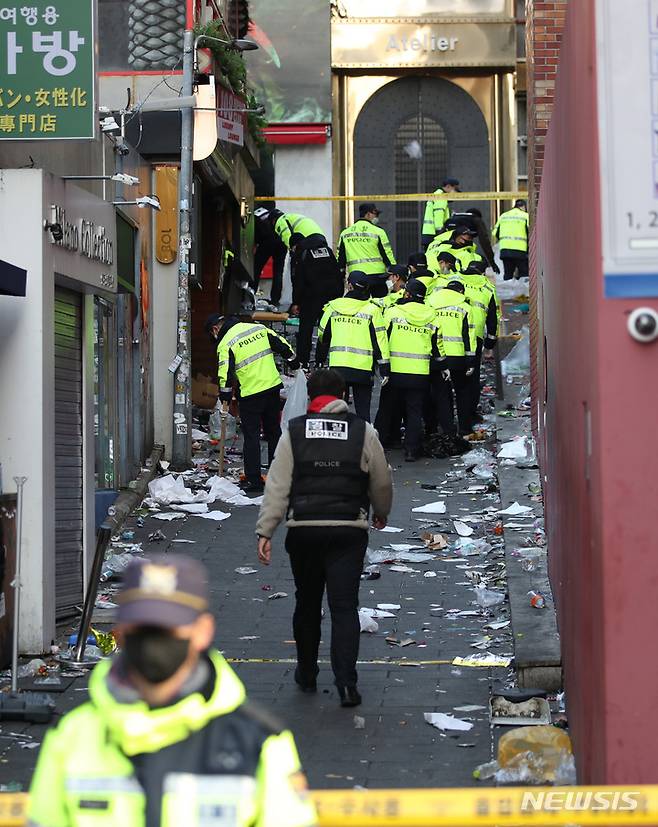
297, 133
13, 279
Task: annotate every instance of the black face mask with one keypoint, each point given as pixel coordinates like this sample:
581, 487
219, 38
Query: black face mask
154, 653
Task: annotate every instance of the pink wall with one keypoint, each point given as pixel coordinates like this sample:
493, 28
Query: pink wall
602, 509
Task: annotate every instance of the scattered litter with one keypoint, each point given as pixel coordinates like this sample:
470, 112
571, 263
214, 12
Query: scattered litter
438, 507
447, 722
245, 570
379, 613
359, 722
488, 659
497, 624
199, 436
157, 536
389, 607
514, 449
215, 515
432, 541
170, 515
192, 508
462, 529
403, 546
385, 556
390, 529
430, 574
531, 712
183, 541
249, 637
537, 600
227, 491
532, 755
488, 598
404, 569
367, 622
407, 641
31, 668
516, 509
277, 595
469, 708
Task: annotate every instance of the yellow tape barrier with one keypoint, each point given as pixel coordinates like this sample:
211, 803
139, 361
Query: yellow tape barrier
402, 196
500, 807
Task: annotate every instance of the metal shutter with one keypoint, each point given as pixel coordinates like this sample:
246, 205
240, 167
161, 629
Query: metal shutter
68, 452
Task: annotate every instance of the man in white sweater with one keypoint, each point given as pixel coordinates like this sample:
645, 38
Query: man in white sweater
328, 471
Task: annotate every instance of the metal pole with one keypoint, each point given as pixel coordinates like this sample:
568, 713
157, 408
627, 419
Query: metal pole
181, 443
20, 482
104, 533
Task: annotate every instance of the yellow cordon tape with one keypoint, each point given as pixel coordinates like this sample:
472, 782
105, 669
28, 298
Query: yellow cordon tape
502, 807
402, 196
400, 662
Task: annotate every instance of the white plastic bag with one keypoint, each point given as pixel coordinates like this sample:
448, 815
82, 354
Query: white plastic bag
518, 359
297, 399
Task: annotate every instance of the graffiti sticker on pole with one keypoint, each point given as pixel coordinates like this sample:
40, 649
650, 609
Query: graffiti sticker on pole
47, 72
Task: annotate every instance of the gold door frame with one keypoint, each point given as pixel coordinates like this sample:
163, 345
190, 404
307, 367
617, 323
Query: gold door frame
493, 93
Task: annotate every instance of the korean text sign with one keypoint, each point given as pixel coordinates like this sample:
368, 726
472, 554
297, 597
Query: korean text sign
47, 69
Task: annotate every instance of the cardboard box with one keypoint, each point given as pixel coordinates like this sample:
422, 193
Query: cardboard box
204, 391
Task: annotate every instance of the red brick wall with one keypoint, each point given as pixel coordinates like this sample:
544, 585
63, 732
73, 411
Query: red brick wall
544, 24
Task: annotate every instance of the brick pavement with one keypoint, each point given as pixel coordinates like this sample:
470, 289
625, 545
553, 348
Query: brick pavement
396, 747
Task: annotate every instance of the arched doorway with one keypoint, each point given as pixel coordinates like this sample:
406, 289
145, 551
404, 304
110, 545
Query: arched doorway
408, 137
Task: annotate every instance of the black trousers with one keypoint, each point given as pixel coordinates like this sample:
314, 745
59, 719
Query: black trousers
328, 556
261, 256
442, 390
310, 311
474, 380
261, 407
514, 263
410, 400
362, 395
388, 421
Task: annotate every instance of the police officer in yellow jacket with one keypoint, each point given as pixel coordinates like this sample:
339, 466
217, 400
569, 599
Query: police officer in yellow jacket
245, 354
415, 350
511, 231
481, 295
352, 335
461, 245
437, 211
364, 246
167, 736
398, 275
314, 273
457, 334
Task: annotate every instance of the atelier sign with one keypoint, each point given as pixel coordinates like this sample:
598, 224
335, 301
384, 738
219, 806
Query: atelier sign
377, 43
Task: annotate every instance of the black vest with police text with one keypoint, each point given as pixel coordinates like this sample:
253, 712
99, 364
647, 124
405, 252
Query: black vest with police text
328, 483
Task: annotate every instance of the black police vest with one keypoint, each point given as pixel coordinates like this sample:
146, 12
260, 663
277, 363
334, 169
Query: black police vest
327, 482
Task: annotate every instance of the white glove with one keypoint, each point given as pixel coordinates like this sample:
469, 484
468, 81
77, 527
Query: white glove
445, 374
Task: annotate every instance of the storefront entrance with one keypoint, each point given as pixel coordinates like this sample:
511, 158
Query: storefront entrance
68, 452
410, 135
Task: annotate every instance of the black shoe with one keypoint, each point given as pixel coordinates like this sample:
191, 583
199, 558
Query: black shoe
349, 695
252, 486
306, 686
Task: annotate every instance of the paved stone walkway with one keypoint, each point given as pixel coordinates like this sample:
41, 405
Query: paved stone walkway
392, 746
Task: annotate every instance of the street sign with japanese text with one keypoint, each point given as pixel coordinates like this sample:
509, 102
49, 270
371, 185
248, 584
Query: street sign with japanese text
47, 73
